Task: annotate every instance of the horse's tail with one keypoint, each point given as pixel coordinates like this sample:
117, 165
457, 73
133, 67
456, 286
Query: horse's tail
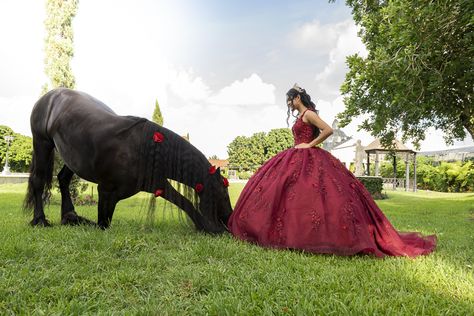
35, 179
42, 162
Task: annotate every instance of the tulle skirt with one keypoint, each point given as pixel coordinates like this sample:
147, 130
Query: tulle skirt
306, 199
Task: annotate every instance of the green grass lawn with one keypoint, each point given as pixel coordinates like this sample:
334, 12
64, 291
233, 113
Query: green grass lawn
168, 268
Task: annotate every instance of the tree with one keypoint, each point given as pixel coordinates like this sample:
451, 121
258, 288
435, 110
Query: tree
58, 54
59, 43
19, 152
278, 140
257, 147
248, 153
157, 117
239, 152
418, 72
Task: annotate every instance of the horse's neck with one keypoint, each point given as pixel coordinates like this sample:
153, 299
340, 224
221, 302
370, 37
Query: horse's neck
180, 162
173, 158
186, 166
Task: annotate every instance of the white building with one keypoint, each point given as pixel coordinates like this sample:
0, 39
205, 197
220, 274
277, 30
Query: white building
345, 152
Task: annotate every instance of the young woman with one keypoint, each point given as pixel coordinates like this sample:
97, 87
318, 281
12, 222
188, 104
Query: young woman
304, 198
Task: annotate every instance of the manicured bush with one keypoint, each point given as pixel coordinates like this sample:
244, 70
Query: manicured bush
244, 175
374, 185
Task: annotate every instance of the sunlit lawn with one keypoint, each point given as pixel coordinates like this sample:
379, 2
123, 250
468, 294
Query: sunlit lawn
168, 268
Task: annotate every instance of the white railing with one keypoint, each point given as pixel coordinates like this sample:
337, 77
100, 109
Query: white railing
397, 183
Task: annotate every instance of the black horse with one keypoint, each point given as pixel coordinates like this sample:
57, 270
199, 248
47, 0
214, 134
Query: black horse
123, 155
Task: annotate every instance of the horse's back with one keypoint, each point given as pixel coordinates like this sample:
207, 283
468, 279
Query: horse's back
67, 106
87, 134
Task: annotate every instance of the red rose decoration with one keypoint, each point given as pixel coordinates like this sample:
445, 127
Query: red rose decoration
225, 181
212, 169
159, 192
199, 187
158, 137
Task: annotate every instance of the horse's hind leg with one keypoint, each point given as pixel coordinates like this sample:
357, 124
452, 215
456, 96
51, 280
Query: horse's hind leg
41, 171
68, 214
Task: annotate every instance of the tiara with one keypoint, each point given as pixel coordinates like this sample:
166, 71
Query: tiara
298, 88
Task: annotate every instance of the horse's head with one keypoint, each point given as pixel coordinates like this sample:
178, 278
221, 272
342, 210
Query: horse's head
214, 201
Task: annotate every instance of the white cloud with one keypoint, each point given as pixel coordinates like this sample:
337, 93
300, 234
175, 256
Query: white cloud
348, 43
213, 118
319, 39
249, 91
189, 88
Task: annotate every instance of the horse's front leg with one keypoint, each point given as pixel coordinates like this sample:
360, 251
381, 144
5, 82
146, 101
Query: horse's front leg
107, 202
68, 214
183, 203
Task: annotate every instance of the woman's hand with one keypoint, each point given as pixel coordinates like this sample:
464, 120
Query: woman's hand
303, 145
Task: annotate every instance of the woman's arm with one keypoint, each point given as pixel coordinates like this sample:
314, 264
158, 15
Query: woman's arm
325, 129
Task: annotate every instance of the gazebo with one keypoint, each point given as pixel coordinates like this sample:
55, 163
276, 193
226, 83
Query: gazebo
398, 147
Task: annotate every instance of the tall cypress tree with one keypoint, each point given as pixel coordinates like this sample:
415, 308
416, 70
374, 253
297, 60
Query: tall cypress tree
157, 117
59, 51
59, 44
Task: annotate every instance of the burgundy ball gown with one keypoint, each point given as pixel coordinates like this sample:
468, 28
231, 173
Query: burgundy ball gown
307, 199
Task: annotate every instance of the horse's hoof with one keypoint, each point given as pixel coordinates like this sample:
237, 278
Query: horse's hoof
71, 218
103, 225
40, 221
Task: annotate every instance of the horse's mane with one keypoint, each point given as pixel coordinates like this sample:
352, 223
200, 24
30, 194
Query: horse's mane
174, 160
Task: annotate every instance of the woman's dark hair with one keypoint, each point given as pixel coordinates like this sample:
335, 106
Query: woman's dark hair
305, 98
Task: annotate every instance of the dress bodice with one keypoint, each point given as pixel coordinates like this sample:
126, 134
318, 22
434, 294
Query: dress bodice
303, 132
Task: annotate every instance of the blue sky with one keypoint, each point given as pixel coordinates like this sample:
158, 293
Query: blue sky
219, 69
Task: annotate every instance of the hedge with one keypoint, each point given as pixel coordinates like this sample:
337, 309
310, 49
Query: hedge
374, 185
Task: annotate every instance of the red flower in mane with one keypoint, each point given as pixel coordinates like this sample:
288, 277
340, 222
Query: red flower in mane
212, 169
199, 187
158, 137
225, 181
